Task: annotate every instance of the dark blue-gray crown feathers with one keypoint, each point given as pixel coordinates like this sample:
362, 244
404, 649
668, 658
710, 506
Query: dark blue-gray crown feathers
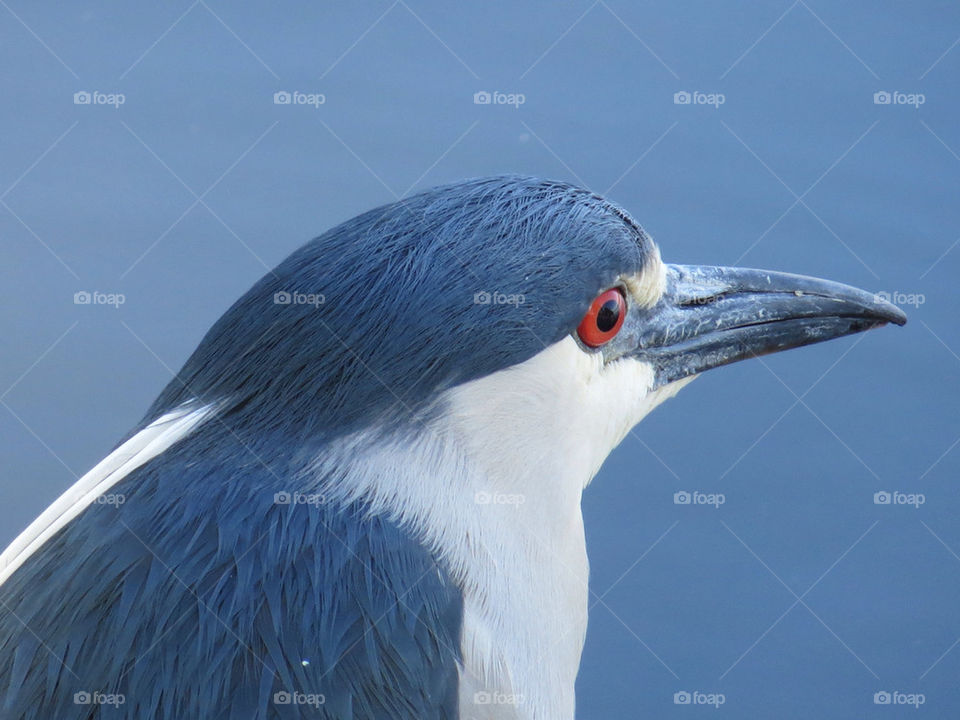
391, 303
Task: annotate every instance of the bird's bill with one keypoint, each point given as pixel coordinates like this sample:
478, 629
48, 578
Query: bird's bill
712, 316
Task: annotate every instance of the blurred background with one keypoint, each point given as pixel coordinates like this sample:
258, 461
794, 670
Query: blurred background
158, 159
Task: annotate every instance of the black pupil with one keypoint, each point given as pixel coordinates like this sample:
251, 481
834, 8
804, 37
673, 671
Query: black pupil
608, 315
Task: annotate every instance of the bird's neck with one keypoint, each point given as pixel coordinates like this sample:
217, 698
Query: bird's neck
515, 551
492, 486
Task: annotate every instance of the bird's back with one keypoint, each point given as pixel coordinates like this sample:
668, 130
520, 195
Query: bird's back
219, 588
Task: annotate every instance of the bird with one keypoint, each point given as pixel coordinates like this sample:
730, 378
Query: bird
360, 496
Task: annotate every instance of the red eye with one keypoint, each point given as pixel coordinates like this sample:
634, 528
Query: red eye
604, 318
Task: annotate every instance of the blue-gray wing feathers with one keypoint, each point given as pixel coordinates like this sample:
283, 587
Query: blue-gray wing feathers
203, 596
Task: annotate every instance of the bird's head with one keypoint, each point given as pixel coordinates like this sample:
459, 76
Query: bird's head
462, 362
510, 306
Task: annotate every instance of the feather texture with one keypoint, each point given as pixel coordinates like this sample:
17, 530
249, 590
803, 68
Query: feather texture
213, 591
